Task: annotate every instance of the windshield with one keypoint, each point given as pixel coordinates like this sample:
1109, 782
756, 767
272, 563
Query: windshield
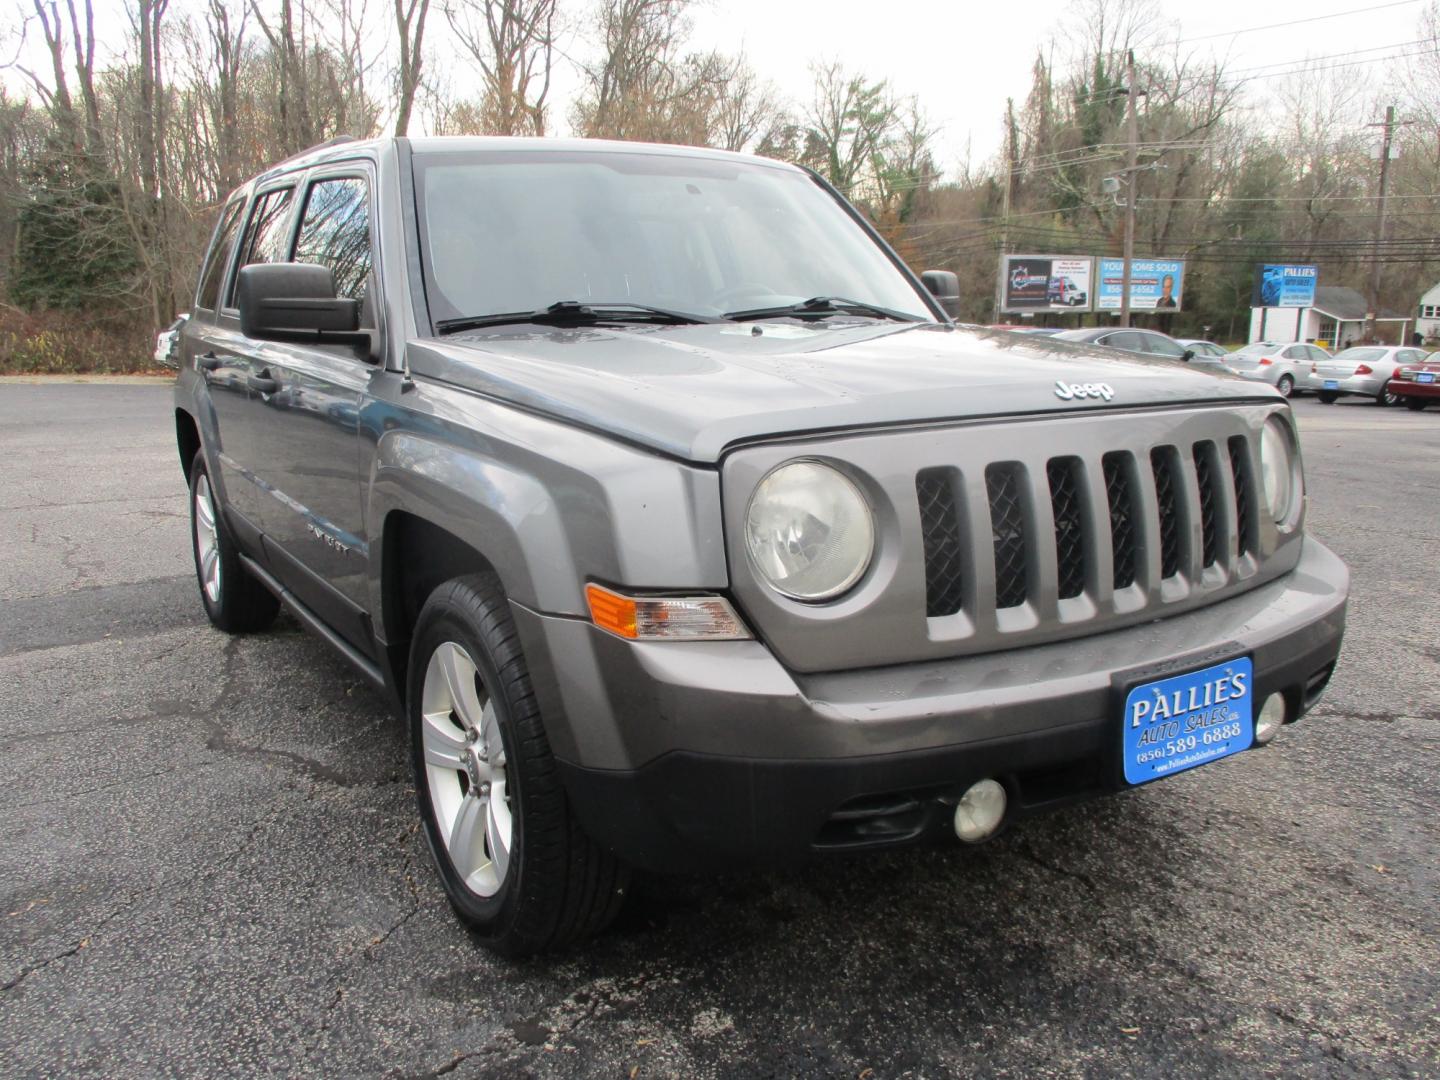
518, 231
1355, 356
1256, 348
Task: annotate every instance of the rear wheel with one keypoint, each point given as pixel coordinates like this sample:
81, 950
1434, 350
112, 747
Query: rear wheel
514, 861
1327, 397
234, 601
1286, 386
1415, 404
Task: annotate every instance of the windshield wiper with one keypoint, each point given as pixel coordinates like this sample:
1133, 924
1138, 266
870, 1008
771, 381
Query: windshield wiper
822, 306
575, 313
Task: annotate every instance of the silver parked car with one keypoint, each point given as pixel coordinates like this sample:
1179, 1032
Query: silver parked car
1204, 350
1284, 365
1363, 371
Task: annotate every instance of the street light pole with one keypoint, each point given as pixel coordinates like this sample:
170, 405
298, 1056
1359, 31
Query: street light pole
1131, 176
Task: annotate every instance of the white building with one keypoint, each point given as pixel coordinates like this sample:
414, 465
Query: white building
1428, 323
1336, 321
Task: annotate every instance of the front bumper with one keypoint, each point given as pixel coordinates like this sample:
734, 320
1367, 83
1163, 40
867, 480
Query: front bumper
688, 756
1363, 385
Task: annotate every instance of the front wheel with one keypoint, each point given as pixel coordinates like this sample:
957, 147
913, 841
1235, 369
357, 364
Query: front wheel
234, 601
1327, 397
1385, 398
1286, 386
515, 863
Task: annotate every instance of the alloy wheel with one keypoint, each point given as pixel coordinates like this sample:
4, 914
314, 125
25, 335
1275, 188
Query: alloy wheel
207, 540
465, 769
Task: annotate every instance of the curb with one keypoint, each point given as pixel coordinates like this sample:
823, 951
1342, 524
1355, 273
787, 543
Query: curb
100, 380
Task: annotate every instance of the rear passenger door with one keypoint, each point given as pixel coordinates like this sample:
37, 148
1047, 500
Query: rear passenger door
313, 516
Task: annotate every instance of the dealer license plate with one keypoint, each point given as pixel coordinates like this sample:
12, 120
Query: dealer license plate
1188, 720
1332, 384
1424, 376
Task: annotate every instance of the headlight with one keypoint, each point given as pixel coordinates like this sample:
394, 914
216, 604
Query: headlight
808, 531
1277, 468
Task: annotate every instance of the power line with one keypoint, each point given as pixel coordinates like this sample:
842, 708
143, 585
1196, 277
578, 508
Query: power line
1291, 22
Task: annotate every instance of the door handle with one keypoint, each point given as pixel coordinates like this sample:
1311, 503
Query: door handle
208, 362
262, 382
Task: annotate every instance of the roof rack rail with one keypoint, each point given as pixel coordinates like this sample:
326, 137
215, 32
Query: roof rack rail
338, 140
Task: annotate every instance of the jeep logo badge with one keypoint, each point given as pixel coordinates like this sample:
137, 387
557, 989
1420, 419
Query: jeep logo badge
1070, 391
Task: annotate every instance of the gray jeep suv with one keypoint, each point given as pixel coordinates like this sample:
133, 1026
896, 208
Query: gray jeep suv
685, 529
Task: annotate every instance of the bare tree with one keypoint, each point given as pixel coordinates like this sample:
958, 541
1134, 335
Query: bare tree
513, 42
410, 18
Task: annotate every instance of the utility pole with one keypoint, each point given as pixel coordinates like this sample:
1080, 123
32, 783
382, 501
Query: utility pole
1131, 178
1388, 126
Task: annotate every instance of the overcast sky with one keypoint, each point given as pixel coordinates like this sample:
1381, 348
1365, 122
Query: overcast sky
962, 58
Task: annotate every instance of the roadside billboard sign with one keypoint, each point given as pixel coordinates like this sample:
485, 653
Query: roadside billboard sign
1284, 285
1155, 284
1045, 283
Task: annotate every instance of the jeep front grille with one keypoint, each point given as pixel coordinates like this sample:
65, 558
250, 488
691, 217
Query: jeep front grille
1187, 522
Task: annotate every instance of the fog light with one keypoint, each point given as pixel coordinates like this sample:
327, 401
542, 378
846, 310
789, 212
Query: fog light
980, 812
1272, 715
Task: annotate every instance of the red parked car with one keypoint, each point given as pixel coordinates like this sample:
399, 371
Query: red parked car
1417, 385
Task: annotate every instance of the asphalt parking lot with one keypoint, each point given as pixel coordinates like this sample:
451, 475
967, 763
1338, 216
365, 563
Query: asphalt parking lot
209, 862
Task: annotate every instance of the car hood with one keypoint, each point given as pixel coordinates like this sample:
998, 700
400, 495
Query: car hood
693, 391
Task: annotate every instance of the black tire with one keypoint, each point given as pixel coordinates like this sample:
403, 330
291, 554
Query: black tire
243, 605
1286, 385
559, 886
1415, 404
1385, 398
1327, 397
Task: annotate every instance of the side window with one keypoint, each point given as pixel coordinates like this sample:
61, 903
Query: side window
335, 232
213, 272
1163, 346
1124, 339
267, 233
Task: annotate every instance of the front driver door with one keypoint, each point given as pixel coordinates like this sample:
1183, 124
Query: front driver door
234, 370
313, 518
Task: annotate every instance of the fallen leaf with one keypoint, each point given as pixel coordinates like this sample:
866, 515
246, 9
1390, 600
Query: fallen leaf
634, 1072
865, 1074
1132, 1032
1380, 868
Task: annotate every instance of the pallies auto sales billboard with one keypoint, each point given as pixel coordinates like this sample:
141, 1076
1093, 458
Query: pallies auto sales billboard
1281, 285
1045, 283
1155, 284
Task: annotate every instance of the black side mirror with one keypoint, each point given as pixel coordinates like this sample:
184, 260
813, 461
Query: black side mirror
296, 302
1188, 356
945, 287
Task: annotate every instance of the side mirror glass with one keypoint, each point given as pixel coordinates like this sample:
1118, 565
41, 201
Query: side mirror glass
1188, 355
295, 302
945, 287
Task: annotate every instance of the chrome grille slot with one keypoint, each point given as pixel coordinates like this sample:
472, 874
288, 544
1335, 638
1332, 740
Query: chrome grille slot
944, 551
1007, 526
1124, 514
1066, 483
1206, 480
1168, 487
1244, 497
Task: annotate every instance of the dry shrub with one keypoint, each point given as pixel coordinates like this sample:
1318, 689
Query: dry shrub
65, 343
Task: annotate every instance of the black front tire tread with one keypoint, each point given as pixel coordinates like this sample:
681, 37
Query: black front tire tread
245, 606
573, 887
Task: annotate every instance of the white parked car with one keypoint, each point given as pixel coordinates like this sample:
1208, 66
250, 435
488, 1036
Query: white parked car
1363, 370
1285, 365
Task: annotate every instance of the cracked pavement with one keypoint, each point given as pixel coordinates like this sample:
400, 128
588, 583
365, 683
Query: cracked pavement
209, 860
